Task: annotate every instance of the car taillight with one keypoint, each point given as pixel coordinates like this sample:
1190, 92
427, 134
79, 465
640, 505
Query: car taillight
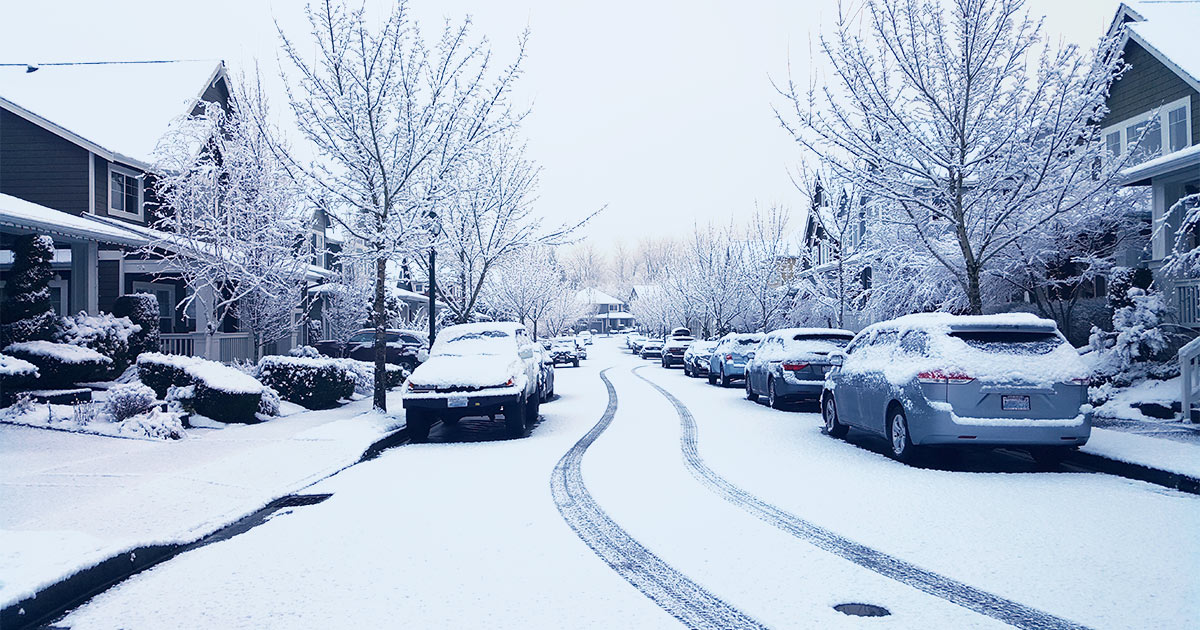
729, 357
938, 376
794, 367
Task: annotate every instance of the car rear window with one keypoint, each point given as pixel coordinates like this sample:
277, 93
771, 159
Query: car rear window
747, 342
1010, 341
820, 344
475, 342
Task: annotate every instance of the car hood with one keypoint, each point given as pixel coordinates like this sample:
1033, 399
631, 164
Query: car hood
446, 371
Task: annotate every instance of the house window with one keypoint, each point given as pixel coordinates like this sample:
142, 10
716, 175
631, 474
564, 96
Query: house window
58, 296
124, 192
166, 302
1162, 130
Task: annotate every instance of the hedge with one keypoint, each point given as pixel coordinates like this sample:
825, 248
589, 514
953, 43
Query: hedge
221, 392
60, 364
311, 383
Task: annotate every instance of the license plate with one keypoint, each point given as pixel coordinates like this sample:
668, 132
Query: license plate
1014, 403
456, 401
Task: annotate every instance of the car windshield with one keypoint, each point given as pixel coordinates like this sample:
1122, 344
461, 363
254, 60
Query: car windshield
1027, 342
564, 345
362, 337
475, 342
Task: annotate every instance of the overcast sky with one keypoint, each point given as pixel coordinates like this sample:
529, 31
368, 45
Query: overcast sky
660, 110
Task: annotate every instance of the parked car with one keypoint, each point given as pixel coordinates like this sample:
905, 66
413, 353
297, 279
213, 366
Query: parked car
485, 369
546, 386
696, 357
580, 348
674, 347
790, 364
935, 379
564, 350
728, 360
404, 347
586, 336
651, 349
680, 332
635, 343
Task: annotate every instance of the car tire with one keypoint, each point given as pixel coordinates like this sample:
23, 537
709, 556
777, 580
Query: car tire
1049, 457
898, 436
772, 399
687, 371
418, 422
750, 395
724, 378
514, 419
712, 378
531, 412
833, 426
575, 363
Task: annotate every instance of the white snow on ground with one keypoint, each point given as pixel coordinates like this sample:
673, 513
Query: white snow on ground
1120, 405
71, 500
1088, 547
155, 424
467, 535
1178, 457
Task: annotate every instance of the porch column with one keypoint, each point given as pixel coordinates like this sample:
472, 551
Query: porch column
84, 292
206, 346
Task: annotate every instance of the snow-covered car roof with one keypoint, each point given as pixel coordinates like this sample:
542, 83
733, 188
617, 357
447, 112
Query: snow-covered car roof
792, 332
945, 323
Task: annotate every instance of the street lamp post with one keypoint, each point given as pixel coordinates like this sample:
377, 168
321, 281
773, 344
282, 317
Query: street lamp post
435, 232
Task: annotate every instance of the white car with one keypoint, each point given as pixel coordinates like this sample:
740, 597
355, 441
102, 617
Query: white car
585, 336
485, 369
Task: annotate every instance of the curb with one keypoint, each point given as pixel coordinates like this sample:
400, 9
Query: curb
1137, 472
55, 600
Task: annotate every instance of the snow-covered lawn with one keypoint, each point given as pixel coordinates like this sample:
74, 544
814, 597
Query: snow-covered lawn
71, 500
468, 535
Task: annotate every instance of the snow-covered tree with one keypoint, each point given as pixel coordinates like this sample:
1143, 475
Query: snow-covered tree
966, 129
832, 289
768, 258
237, 230
1184, 257
525, 285
27, 314
392, 118
562, 311
347, 305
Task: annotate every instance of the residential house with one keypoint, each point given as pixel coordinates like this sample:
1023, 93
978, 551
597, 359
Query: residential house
605, 313
1154, 122
78, 145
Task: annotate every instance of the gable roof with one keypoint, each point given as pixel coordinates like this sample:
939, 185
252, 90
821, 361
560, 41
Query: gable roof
596, 296
118, 110
1167, 30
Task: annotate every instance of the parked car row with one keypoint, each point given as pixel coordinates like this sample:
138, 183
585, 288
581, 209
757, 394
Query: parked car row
917, 381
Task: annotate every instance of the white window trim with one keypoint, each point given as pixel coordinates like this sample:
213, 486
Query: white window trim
128, 172
1163, 111
64, 293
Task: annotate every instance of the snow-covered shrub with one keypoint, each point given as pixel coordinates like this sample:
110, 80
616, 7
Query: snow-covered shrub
221, 392
26, 311
61, 364
269, 405
307, 352
1137, 337
179, 398
107, 334
312, 383
155, 423
15, 374
364, 375
142, 310
126, 401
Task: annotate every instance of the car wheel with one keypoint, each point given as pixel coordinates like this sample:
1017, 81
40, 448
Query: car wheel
575, 363
514, 419
833, 428
712, 379
531, 412
772, 400
1049, 457
418, 422
724, 378
899, 437
687, 371
750, 395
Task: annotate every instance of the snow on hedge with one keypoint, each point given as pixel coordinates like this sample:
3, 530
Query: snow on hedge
62, 352
214, 375
153, 424
12, 367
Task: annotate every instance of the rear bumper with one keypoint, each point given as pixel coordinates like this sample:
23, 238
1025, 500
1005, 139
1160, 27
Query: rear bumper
476, 405
944, 427
672, 359
790, 389
734, 370
652, 353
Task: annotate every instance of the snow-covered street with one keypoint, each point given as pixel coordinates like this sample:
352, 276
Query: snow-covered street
634, 507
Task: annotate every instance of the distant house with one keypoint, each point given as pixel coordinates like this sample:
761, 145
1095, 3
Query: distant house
78, 151
604, 312
1158, 101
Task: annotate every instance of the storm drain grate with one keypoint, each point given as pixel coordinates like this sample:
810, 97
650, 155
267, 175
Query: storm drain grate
862, 610
299, 500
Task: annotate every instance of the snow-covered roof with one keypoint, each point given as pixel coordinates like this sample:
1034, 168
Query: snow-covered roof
1168, 31
1163, 164
788, 332
614, 315
18, 213
119, 110
595, 296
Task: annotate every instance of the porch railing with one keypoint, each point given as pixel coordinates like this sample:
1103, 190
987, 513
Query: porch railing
1189, 368
1187, 301
226, 347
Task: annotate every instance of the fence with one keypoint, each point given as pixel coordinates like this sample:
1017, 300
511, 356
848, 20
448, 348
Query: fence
227, 347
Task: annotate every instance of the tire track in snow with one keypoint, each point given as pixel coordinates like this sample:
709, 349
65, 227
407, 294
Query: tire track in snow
673, 591
969, 597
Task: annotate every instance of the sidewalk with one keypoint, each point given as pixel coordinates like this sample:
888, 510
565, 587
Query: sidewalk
70, 500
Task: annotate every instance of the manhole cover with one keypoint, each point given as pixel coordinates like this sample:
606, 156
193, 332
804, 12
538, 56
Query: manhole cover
862, 610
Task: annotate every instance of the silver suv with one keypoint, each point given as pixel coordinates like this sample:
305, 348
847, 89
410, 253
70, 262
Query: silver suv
935, 379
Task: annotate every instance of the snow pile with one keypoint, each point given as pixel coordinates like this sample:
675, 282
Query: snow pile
60, 352
12, 367
151, 424
307, 352
933, 347
1121, 402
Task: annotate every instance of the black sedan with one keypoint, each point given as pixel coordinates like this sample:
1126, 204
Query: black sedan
404, 347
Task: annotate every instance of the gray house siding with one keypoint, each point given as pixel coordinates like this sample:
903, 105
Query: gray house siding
1147, 85
41, 167
108, 284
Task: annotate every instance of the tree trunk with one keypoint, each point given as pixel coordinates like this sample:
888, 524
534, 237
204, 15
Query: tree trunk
974, 296
380, 401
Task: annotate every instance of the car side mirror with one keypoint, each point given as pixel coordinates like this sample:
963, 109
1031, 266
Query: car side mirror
837, 358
